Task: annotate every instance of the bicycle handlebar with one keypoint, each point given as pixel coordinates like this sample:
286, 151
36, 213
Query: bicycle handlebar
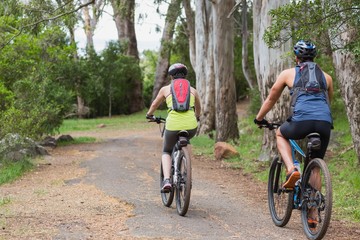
266, 124
158, 120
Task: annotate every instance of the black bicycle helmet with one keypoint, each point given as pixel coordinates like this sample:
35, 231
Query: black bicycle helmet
178, 70
305, 50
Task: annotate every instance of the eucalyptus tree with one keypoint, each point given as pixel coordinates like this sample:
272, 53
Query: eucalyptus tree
332, 24
124, 14
268, 65
91, 15
211, 40
163, 62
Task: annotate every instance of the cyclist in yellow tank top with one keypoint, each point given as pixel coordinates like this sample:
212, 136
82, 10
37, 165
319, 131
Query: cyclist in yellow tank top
175, 121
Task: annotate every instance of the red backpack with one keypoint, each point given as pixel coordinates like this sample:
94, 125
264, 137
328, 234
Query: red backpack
180, 91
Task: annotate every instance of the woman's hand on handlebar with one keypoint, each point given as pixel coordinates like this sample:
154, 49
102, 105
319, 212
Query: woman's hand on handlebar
261, 123
265, 124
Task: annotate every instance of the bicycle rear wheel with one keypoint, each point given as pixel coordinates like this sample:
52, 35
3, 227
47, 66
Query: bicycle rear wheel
167, 198
317, 199
280, 200
184, 183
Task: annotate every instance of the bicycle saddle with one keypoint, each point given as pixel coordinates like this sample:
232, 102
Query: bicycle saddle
183, 138
314, 141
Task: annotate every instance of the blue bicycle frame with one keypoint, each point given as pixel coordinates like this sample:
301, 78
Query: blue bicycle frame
295, 148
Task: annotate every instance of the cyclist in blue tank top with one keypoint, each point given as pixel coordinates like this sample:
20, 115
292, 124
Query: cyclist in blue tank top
311, 113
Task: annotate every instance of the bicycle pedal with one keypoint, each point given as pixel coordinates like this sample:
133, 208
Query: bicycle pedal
165, 190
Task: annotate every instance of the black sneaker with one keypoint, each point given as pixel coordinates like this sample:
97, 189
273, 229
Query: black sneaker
166, 186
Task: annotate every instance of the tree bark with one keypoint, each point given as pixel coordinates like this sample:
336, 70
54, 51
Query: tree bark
225, 94
89, 23
88, 28
124, 14
348, 74
165, 47
204, 64
268, 65
190, 21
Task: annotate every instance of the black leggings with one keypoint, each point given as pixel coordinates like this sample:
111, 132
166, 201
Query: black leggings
299, 130
170, 138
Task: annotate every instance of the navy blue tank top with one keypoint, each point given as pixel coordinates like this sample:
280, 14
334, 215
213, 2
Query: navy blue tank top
310, 106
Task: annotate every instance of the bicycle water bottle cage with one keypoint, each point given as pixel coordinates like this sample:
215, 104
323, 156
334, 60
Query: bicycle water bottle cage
314, 141
183, 138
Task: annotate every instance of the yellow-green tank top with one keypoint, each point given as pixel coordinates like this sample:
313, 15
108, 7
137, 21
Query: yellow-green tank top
177, 121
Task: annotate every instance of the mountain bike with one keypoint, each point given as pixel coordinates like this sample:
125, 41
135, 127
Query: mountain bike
180, 176
304, 196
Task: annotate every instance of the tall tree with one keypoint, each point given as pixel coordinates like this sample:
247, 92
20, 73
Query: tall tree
225, 94
124, 14
91, 20
163, 62
203, 59
211, 50
268, 64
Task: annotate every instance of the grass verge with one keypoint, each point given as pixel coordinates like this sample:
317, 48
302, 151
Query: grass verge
10, 171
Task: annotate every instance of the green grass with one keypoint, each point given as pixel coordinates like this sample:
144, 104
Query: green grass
77, 140
10, 171
133, 121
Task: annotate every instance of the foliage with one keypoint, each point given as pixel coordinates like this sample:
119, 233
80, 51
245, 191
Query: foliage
242, 88
6, 97
38, 100
313, 20
148, 67
119, 74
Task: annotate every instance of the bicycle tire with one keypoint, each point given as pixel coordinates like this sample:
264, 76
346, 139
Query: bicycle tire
320, 200
280, 200
166, 198
184, 183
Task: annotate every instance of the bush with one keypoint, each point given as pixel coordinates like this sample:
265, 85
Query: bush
37, 110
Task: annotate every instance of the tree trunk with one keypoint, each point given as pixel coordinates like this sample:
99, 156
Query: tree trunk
348, 74
165, 47
225, 94
124, 14
204, 64
88, 28
90, 23
244, 52
190, 21
268, 64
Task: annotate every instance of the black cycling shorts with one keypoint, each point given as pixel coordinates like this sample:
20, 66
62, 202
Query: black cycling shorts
170, 138
299, 130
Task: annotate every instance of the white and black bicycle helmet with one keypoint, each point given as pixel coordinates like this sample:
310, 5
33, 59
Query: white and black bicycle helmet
305, 50
178, 70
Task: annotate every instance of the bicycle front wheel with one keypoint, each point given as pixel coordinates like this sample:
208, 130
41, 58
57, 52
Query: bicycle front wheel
317, 199
166, 197
184, 183
280, 200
